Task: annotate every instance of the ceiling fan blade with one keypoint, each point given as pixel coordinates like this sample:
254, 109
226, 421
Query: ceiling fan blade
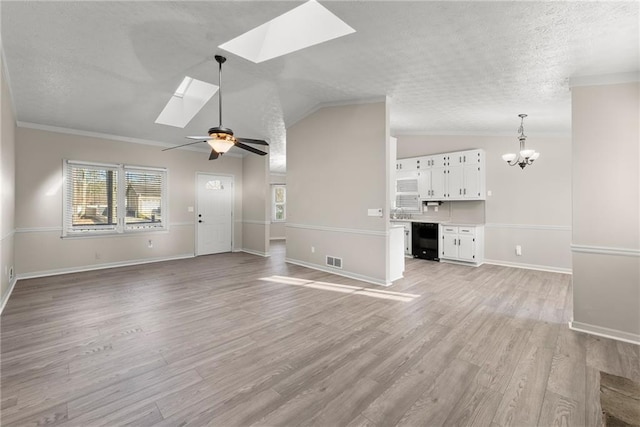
253, 141
184, 145
249, 148
214, 155
198, 137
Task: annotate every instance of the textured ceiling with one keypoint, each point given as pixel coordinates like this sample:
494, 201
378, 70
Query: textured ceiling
448, 67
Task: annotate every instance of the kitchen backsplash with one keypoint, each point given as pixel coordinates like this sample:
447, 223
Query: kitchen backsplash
466, 212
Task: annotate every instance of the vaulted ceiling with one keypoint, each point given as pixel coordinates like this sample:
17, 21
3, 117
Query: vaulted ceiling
447, 67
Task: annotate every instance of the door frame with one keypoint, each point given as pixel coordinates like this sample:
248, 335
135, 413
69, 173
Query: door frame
233, 208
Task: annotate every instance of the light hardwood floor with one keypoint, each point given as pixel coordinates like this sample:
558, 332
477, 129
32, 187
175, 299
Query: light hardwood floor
210, 341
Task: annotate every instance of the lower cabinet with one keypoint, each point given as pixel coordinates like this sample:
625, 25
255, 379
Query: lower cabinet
462, 243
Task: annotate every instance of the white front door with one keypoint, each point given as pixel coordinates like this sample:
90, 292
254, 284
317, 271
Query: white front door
214, 214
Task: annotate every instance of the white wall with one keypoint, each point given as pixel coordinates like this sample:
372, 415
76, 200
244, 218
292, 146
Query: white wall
530, 207
39, 160
606, 209
255, 215
7, 187
336, 170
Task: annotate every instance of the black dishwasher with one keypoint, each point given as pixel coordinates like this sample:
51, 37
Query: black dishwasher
424, 240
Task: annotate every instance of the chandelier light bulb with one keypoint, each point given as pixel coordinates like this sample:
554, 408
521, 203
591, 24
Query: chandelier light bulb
509, 157
527, 153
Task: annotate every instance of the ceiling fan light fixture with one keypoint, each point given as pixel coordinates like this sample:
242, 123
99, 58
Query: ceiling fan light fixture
221, 142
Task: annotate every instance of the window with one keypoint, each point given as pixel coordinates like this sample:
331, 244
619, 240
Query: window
279, 203
103, 198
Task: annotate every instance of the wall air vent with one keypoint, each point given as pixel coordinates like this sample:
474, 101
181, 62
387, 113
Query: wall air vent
334, 262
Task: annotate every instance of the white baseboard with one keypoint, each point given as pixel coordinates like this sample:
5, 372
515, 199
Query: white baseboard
529, 266
92, 267
342, 273
6, 296
259, 253
601, 331
468, 264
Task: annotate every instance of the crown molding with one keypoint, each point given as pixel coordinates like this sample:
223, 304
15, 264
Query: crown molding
605, 79
110, 137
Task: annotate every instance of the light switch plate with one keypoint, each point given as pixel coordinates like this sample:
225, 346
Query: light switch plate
375, 212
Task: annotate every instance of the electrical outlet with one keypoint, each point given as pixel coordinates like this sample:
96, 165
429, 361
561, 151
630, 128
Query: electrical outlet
435, 208
98, 255
150, 244
313, 249
518, 250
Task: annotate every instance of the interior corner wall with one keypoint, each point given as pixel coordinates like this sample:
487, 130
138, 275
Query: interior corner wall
256, 218
39, 248
606, 210
530, 208
336, 163
277, 229
7, 188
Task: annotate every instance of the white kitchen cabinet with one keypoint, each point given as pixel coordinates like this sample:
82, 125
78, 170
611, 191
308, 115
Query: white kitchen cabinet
433, 177
466, 175
459, 175
462, 243
408, 164
407, 236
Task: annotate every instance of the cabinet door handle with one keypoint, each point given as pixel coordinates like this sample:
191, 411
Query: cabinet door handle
460, 191
465, 191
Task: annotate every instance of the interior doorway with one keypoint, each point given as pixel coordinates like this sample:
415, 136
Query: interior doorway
214, 214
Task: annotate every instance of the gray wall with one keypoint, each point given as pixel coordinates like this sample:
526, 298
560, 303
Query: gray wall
255, 194
7, 187
39, 159
606, 209
336, 170
530, 207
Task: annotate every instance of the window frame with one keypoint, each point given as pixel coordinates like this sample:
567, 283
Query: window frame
120, 226
274, 204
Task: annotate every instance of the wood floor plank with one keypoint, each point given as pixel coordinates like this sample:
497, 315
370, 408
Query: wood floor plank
236, 339
435, 405
476, 407
593, 409
523, 397
559, 410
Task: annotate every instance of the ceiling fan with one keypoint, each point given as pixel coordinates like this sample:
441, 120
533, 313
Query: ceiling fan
220, 138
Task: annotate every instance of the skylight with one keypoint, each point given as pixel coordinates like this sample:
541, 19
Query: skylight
306, 25
186, 101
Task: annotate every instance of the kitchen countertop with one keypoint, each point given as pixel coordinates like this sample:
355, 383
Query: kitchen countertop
437, 221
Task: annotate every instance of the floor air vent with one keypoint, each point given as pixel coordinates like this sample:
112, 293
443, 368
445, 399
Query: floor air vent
334, 262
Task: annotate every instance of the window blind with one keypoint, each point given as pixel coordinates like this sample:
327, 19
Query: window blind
113, 198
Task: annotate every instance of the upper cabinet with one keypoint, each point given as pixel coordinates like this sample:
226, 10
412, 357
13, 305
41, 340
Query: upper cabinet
449, 176
466, 175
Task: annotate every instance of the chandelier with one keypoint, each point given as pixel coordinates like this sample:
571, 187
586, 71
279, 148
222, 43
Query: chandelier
525, 157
